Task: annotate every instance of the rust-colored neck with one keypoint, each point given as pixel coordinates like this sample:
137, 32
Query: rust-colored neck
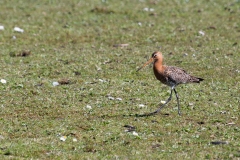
158, 64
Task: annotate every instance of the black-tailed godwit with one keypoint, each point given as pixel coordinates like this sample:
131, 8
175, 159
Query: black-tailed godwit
169, 75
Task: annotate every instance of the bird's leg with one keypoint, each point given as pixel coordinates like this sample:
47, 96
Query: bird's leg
170, 97
179, 112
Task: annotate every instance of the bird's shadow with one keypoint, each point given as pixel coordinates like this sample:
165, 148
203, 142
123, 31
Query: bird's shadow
146, 114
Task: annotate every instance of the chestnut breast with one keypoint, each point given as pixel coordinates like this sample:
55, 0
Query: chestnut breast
159, 74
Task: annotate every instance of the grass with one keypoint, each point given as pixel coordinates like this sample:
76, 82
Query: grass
72, 42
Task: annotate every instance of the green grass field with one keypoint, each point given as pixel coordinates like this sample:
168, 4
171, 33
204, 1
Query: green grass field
100, 94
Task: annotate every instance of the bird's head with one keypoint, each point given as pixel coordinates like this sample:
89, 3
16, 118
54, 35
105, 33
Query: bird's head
155, 57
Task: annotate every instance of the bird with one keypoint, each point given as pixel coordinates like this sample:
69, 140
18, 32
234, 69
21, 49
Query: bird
169, 75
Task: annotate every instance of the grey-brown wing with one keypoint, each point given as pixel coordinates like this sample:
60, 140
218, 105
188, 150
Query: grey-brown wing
177, 75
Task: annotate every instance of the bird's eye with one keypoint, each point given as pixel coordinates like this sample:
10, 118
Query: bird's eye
154, 55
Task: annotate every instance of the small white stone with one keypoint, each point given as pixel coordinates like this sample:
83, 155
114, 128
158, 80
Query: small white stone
14, 37
74, 139
111, 98
89, 107
100, 80
190, 104
98, 68
151, 9
1, 28
231, 123
63, 138
3, 81
141, 105
139, 23
119, 99
201, 33
17, 29
146, 9
135, 133
55, 84
163, 102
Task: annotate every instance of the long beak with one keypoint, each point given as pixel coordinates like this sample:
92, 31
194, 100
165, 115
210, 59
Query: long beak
149, 61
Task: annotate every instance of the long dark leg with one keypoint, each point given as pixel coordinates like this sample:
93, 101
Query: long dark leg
169, 99
179, 112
